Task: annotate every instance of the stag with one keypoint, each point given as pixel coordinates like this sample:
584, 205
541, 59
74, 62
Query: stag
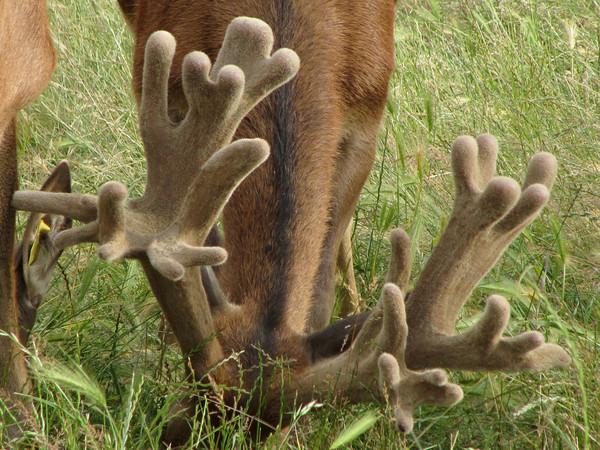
394, 353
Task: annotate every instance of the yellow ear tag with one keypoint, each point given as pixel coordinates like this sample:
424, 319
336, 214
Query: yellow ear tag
42, 229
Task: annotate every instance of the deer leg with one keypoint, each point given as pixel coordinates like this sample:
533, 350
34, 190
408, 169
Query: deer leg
13, 372
13, 369
356, 155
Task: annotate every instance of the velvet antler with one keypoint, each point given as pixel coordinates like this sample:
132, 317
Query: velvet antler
192, 172
374, 367
489, 212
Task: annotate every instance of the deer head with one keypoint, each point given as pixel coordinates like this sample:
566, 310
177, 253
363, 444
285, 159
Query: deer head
36, 255
193, 170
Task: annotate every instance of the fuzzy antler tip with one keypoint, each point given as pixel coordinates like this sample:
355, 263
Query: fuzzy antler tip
161, 43
251, 27
474, 162
400, 263
487, 141
113, 191
286, 63
393, 335
464, 163
399, 238
498, 198
464, 143
542, 169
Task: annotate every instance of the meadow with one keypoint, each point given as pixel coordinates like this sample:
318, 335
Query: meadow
526, 71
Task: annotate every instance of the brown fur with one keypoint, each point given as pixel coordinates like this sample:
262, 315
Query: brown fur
27, 59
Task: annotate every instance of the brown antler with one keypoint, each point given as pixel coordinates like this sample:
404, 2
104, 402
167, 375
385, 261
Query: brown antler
191, 174
488, 215
489, 212
374, 365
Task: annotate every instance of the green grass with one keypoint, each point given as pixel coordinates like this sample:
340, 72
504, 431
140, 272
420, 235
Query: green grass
463, 67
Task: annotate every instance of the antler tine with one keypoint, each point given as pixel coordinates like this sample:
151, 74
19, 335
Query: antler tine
380, 348
111, 221
401, 260
405, 391
217, 179
489, 212
158, 57
82, 207
248, 43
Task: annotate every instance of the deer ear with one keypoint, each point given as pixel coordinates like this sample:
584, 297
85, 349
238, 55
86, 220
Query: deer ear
59, 180
37, 255
38, 224
129, 9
